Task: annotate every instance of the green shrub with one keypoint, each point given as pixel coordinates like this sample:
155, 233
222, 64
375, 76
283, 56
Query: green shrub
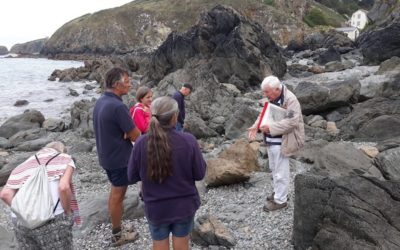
315, 17
269, 2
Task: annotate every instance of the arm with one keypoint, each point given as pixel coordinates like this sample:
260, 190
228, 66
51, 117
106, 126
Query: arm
64, 189
133, 134
252, 131
125, 122
286, 125
7, 194
140, 120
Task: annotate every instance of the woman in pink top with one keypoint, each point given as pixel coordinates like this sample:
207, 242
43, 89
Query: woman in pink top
140, 112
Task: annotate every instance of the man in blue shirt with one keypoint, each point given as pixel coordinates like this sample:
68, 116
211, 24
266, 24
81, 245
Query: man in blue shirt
115, 132
179, 97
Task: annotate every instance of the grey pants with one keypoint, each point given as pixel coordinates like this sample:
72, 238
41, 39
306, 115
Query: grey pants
55, 234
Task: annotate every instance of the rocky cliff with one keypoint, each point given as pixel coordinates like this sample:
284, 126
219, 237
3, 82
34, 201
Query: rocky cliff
32, 47
146, 24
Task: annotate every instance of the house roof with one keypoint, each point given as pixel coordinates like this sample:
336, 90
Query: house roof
346, 29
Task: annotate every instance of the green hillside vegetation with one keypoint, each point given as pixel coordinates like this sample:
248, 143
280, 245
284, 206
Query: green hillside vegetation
320, 15
347, 7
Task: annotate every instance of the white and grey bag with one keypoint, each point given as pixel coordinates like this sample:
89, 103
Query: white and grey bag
33, 204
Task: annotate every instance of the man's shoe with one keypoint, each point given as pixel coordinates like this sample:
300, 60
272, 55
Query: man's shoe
271, 197
123, 237
272, 206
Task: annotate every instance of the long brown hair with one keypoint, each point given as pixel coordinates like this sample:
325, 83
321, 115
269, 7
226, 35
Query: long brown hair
159, 154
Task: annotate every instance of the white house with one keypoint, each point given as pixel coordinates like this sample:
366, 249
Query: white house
351, 32
359, 19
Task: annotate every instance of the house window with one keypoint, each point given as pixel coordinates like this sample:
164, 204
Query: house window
358, 23
359, 16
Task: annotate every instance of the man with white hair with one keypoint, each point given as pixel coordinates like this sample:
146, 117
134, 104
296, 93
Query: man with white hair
283, 138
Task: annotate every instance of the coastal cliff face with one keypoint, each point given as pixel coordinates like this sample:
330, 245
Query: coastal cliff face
32, 47
3, 50
144, 25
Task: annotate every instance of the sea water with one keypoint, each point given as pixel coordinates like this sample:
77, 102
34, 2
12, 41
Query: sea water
26, 79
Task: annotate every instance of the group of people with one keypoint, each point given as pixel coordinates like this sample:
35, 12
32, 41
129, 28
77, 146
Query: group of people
165, 160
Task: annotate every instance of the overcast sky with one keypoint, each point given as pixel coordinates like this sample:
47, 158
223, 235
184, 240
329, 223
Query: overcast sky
26, 20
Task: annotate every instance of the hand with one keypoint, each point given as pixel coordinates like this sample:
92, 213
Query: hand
252, 133
125, 136
264, 128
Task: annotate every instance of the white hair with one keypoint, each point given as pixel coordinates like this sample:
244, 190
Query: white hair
272, 82
57, 145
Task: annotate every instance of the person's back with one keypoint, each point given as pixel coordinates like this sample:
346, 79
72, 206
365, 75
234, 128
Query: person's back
59, 167
168, 163
177, 190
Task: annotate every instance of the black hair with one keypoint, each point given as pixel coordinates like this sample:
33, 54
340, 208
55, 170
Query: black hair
188, 85
114, 75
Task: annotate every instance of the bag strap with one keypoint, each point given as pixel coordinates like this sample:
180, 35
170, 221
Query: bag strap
50, 159
58, 201
37, 159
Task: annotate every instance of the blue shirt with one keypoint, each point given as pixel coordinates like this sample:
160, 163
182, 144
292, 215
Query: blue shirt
180, 99
176, 198
111, 120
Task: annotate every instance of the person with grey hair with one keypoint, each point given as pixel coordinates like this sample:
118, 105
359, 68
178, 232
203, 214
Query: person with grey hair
283, 138
57, 232
114, 131
168, 162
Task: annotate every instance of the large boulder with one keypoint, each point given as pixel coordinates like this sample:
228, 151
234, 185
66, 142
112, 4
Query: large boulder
373, 120
381, 43
315, 97
28, 120
239, 122
343, 159
388, 163
350, 212
234, 165
94, 211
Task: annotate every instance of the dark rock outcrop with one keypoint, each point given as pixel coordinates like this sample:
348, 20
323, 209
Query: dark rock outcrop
226, 41
381, 43
381, 9
320, 97
209, 231
353, 211
30, 48
223, 56
373, 120
388, 163
318, 40
3, 50
82, 117
29, 119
